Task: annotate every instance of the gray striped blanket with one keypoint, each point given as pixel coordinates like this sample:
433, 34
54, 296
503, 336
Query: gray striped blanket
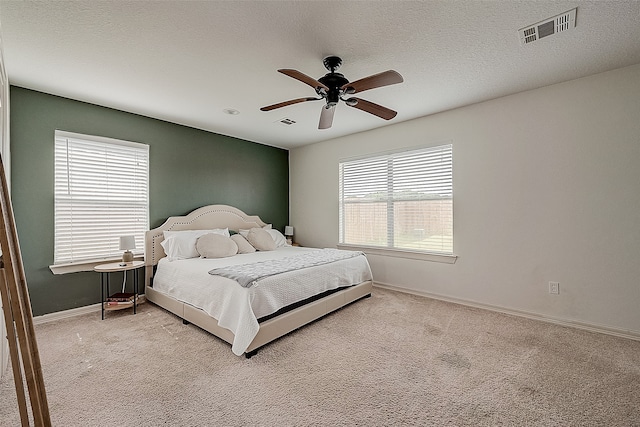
247, 274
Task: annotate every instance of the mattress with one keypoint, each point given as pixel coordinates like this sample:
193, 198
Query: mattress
237, 308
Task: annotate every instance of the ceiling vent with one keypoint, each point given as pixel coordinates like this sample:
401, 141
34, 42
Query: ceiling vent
548, 27
286, 122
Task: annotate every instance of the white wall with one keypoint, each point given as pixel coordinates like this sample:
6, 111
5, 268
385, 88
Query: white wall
546, 188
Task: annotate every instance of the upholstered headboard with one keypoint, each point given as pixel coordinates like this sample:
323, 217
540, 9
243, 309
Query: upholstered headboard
206, 217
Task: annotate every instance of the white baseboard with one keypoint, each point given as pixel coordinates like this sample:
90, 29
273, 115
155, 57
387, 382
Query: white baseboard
65, 314
629, 334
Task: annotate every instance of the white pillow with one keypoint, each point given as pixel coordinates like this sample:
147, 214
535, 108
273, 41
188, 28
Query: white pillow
216, 246
182, 244
278, 237
244, 247
261, 239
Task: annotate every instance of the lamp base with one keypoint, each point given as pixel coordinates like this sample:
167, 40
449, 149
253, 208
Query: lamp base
127, 257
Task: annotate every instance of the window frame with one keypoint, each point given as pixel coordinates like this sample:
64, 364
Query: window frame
389, 249
109, 251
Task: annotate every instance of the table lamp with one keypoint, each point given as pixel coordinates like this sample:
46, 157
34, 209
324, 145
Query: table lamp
126, 243
288, 231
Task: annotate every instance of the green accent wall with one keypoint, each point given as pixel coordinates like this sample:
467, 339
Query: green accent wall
188, 168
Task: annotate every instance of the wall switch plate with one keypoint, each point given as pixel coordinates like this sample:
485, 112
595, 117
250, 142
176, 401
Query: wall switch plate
554, 288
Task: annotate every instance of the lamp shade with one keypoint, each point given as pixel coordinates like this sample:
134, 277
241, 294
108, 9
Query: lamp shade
127, 242
288, 230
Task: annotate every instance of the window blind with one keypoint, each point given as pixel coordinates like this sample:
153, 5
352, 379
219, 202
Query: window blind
401, 200
101, 193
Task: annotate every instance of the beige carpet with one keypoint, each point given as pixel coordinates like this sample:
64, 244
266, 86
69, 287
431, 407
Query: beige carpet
390, 360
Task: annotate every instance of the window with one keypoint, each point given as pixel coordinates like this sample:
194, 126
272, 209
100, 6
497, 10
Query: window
399, 201
101, 193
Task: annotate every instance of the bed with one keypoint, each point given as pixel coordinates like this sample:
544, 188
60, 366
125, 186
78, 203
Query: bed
247, 317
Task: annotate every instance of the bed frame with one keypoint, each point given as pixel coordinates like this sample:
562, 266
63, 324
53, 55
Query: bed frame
223, 216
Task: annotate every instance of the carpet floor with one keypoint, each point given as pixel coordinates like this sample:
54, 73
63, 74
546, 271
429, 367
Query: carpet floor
390, 360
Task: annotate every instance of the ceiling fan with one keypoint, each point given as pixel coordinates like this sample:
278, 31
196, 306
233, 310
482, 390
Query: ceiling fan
333, 87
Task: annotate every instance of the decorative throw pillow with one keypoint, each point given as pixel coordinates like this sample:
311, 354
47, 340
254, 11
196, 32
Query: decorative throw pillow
216, 246
244, 247
261, 239
277, 236
245, 231
182, 244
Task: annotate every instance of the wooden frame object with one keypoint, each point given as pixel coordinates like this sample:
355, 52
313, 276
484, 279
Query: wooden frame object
223, 216
23, 347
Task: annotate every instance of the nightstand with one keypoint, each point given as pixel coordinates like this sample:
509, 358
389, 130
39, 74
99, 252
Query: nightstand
105, 270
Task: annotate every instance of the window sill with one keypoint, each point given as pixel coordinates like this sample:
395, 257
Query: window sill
397, 253
84, 266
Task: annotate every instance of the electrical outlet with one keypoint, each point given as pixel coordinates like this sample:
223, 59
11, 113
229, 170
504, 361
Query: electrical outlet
554, 288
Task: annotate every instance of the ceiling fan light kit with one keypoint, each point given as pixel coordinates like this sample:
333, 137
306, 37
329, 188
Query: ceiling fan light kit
332, 87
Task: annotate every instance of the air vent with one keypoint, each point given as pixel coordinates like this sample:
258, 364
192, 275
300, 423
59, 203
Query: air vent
286, 121
548, 27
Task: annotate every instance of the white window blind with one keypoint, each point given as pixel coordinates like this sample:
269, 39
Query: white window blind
101, 193
399, 201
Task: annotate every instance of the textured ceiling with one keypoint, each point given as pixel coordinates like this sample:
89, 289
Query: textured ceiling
186, 61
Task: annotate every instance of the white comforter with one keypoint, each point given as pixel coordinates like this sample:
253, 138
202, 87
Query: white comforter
237, 308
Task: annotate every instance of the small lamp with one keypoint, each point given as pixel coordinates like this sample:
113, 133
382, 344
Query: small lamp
126, 243
288, 231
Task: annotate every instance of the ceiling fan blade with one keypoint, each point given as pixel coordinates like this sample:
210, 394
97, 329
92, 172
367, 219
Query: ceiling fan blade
385, 78
303, 78
372, 108
326, 117
285, 103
